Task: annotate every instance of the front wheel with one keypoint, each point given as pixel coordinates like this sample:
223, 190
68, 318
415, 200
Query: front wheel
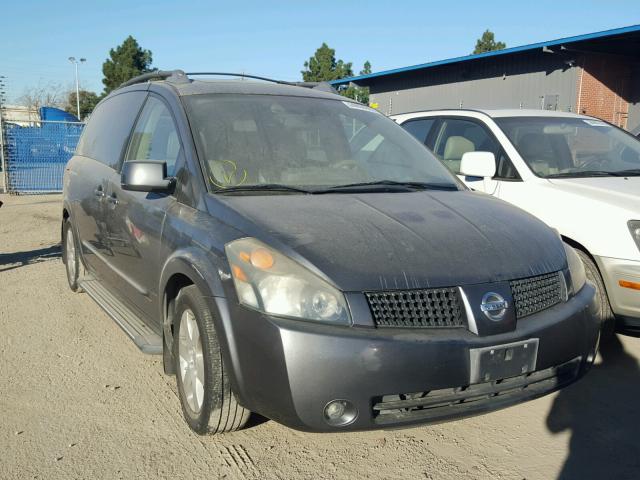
604, 312
208, 403
70, 256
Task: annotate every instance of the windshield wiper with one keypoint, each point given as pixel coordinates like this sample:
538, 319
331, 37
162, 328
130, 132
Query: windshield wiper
387, 185
630, 172
586, 173
267, 187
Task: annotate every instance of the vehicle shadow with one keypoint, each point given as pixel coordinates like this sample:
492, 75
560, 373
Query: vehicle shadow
9, 261
603, 414
255, 420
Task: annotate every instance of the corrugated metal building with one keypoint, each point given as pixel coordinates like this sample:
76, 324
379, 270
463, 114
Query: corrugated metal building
596, 74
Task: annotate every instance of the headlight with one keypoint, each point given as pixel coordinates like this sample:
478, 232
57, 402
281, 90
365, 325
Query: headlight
634, 228
273, 283
576, 269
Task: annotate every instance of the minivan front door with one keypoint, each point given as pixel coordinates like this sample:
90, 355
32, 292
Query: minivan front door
134, 219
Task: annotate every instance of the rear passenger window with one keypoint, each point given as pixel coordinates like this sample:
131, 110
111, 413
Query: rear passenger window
419, 128
155, 136
109, 126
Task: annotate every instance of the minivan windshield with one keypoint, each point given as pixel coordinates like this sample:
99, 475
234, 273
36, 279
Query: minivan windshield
305, 144
556, 147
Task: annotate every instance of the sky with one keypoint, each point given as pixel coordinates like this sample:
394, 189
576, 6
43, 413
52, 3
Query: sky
274, 38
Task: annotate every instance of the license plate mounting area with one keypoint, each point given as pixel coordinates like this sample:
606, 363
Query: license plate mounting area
503, 361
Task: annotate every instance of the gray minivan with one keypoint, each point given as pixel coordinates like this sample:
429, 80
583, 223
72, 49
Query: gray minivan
296, 254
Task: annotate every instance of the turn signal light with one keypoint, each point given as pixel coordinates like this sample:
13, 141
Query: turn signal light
238, 273
627, 284
261, 258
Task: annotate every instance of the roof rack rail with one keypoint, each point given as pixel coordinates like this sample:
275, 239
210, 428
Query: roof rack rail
243, 75
323, 86
179, 75
155, 75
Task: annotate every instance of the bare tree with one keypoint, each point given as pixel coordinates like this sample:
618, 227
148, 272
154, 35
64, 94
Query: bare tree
43, 95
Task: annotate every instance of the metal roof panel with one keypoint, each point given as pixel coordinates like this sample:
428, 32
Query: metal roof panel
506, 51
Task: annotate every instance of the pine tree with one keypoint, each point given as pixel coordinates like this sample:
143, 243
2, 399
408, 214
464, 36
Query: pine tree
323, 66
487, 43
126, 61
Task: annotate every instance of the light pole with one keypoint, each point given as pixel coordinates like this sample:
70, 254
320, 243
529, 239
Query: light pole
75, 62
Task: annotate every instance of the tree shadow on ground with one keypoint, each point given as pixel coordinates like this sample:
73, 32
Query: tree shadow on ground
602, 411
9, 261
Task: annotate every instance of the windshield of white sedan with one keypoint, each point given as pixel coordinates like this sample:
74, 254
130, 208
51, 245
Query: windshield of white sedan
572, 147
301, 144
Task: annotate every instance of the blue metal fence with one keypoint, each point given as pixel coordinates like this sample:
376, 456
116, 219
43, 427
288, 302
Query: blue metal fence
36, 155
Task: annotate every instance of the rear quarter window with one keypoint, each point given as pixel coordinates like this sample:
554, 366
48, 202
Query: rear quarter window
104, 137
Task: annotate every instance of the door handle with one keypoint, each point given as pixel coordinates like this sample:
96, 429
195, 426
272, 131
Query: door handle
112, 200
98, 192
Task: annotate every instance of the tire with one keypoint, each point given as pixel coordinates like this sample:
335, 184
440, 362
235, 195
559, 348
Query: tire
70, 256
208, 403
604, 312
168, 364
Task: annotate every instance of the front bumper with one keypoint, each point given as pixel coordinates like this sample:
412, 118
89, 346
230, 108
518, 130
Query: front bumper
288, 370
625, 302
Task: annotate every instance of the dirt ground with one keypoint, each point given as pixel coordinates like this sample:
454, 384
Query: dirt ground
79, 400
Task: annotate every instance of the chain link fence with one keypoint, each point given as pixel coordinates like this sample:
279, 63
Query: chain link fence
35, 155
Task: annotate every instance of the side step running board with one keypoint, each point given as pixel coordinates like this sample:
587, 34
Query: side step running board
146, 339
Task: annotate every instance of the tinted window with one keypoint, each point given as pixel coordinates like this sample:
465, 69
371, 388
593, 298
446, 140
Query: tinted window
419, 128
297, 141
155, 136
109, 126
457, 137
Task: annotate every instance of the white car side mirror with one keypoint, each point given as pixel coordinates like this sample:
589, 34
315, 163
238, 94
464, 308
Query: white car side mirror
478, 164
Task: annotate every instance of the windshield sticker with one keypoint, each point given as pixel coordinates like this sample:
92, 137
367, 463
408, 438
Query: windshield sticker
358, 106
225, 174
596, 123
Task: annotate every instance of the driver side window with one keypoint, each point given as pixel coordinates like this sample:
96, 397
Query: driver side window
459, 136
155, 136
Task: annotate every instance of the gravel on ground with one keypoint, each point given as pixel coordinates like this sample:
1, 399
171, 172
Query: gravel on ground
79, 400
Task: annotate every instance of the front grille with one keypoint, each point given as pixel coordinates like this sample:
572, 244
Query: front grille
437, 307
534, 294
445, 403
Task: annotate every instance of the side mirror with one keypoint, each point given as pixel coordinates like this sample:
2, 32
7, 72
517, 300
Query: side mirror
478, 164
145, 176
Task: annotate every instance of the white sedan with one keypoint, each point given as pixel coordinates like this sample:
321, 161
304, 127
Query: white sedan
577, 173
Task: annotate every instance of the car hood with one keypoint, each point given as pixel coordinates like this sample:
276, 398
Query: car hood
617, 191
379, 241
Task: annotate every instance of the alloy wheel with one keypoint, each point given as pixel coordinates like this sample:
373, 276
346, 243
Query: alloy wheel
70, 254
191, 361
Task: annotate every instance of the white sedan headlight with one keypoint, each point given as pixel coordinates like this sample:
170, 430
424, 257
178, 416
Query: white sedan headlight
576, 269
273, 283
634, 228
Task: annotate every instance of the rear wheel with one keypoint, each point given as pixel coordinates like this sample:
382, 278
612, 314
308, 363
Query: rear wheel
604, 312
208, 403
70, 256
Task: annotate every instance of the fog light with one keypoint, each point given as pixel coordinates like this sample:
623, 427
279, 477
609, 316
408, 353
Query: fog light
338, 413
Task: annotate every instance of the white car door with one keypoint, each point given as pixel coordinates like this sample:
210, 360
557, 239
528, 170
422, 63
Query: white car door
454, 136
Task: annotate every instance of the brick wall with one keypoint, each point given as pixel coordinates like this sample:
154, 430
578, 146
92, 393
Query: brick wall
604, 84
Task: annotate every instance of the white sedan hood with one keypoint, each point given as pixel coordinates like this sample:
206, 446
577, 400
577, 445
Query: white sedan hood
617, 191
